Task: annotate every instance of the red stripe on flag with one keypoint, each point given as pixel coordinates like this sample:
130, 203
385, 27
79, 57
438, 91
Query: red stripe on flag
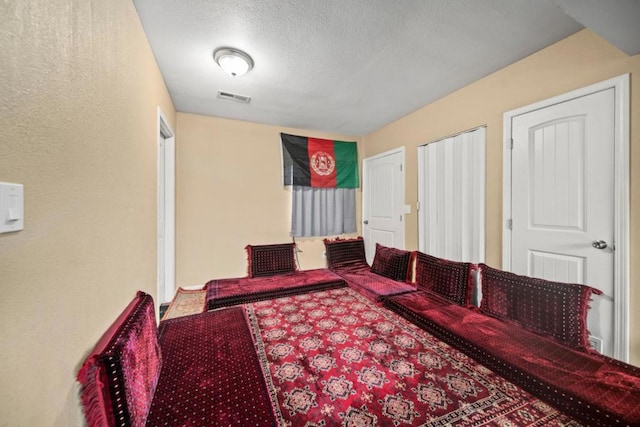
322, 163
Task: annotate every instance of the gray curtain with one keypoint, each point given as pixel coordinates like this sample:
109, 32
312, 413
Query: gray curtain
322, 211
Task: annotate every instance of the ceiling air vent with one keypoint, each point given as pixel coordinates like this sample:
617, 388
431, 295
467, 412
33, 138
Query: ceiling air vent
234, 97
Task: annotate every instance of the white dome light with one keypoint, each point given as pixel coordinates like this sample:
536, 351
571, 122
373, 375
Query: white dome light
233, 61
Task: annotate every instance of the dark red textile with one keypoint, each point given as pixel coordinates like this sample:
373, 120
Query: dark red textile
211, 375
372, 285
593, 388
558, 310
269, 260
347, 258
391, 262
335, 358
226, 292
119, 378
343, 253
450, 279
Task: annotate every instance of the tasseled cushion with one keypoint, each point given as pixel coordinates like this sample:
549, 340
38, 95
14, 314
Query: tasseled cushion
450, 279
391, 262
119, 378
269, 260
555, 309
343, 253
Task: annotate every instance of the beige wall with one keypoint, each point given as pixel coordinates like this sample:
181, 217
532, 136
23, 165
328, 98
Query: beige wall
79, 88
229, 194
577, 61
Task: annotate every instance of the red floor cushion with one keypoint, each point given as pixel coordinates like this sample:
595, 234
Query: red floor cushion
195, 371
227, 292
392, 263
119, 378
372, 285
347, 258
270, 260
211, 374
450, 279
593, 388
558, 310
342, 253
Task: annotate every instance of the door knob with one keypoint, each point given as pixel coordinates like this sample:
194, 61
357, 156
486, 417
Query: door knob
366, 221
599, 244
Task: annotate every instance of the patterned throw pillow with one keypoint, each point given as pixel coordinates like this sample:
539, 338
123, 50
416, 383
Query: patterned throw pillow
554, 309
269, 260
450, 279
342, 253
391, 262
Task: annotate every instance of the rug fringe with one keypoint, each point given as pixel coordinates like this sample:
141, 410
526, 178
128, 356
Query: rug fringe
91, 394
181, 291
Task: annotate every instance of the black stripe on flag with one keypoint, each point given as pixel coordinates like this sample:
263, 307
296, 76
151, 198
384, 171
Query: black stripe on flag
295, 159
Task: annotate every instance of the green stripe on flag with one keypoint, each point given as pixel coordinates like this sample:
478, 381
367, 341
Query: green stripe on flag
346, 164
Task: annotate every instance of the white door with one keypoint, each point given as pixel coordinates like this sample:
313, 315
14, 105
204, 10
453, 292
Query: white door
161, 219
383, 201
563, 200
166, 211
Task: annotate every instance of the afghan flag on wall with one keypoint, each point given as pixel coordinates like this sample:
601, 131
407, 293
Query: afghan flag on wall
313, 162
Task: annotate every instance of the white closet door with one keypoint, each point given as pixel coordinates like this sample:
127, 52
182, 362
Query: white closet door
451, 197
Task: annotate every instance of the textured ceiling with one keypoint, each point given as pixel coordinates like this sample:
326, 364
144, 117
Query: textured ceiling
618, 21
345, 66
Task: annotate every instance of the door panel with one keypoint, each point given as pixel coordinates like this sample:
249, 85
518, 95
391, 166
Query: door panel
557, 155
383, 237
383, 190
562, 199
555, 266
381, 178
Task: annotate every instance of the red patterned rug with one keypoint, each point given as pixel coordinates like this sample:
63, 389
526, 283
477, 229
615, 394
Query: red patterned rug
335, 358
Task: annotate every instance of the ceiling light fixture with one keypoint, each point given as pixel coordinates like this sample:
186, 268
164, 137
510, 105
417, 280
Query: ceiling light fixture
233, 61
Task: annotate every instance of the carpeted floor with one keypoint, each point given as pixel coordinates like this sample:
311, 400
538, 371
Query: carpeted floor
186, 302
336, 358
211, 375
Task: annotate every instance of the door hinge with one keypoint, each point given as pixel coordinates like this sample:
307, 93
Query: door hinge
400, 167
510, 224
511, 144
400, 218
418, 205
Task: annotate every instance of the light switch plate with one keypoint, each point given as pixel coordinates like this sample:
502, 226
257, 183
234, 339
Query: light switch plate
11, 207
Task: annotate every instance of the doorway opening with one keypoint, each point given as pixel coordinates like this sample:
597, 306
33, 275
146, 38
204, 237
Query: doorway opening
166, 210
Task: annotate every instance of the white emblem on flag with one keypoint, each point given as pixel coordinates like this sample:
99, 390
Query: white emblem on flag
323, 163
